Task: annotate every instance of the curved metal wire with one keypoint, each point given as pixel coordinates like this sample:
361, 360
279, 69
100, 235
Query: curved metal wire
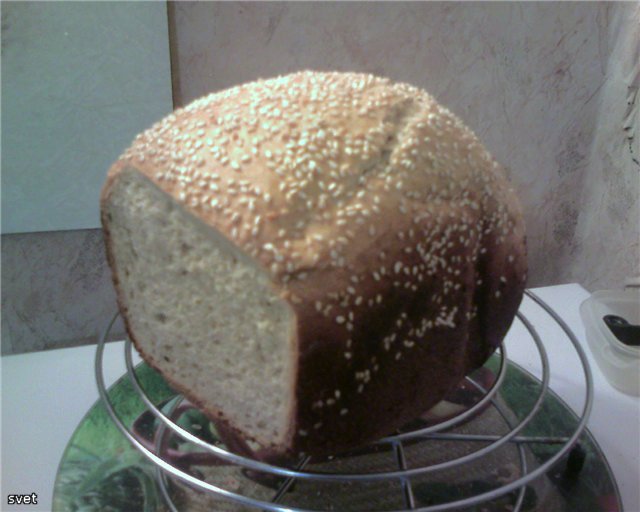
277, 470
402, 475
320, 476
162, 477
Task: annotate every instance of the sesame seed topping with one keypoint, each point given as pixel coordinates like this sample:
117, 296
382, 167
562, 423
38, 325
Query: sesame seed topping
279, 167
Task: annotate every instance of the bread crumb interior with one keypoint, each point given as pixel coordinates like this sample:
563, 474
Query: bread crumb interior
202, 310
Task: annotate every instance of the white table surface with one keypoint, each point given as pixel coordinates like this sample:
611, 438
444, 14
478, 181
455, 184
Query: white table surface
46, 394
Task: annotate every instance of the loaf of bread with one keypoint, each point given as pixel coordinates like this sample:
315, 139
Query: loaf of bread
315, 259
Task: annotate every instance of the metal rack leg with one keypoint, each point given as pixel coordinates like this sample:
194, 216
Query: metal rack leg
517, 506
575, 461
286, 485
407, 490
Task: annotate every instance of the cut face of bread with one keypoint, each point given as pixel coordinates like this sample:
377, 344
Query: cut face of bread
203, 312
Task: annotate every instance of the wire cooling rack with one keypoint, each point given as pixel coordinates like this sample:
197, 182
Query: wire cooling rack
403, 475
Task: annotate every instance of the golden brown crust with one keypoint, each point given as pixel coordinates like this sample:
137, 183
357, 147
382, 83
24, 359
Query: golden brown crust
380, 218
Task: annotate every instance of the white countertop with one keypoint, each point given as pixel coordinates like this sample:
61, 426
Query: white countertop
46, 394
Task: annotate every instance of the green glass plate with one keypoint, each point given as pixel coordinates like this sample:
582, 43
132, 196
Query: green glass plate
101, 471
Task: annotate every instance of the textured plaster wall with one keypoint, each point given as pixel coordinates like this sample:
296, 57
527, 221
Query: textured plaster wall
56, 290
606, 240
542, 84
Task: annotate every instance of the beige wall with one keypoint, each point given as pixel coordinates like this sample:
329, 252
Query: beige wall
543, 85
607, 235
